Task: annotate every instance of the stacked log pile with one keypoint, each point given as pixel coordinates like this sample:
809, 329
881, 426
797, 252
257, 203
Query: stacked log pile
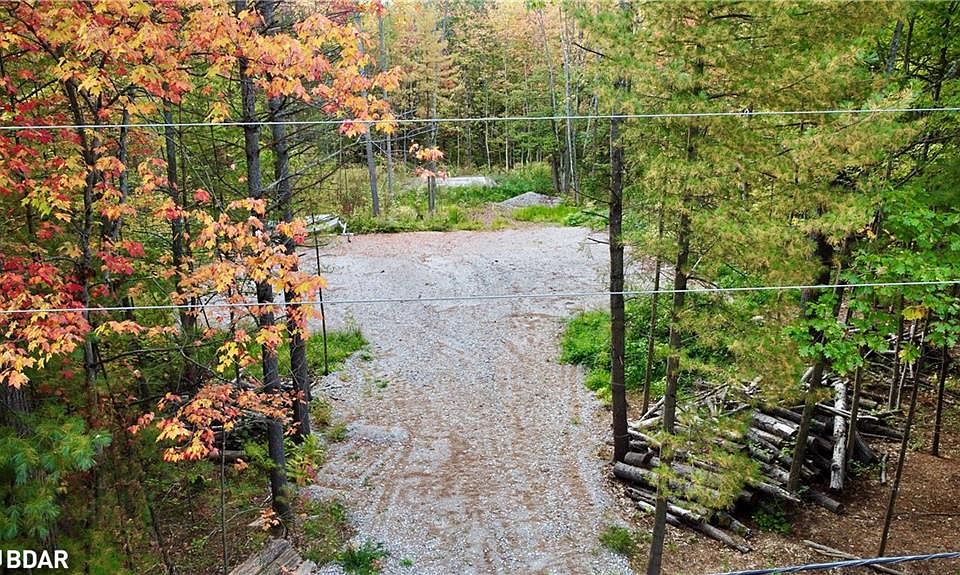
769, 440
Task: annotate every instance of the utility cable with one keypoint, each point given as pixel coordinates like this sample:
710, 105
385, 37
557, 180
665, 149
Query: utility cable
454, 120
846, 564
474, 297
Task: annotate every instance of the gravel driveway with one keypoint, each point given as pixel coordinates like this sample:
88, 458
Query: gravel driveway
471, 449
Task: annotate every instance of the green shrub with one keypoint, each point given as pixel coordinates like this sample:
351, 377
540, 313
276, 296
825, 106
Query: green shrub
586, 217
619, 540
305, 459
528, 178
773, 517
363, 559
586, 342
321, 412
336, 432
446, 218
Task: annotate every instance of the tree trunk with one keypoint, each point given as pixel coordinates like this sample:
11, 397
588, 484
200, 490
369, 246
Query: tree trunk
296, 322
941, 383
824, 252
838, 466
675, 344
673, 367
368, 141
902, 455
571, 149
621, 439
654, 300
389, 137
188, 317
552, 87
907, 46
279, 489
894, 44
854, 410
893, 398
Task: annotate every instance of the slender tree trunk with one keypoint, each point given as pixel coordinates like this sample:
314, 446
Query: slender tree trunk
85, 273
506, 112
389, 137
941, 383
680, 280
854, 409
188, 317
824, 252
902, 455
893, 397
654, 300
621, 440
894, 45
296, 322
571, 149
552, 87
279, 489
908, 44
368, 143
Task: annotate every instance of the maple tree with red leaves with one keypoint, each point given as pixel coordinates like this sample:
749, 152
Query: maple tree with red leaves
112, 221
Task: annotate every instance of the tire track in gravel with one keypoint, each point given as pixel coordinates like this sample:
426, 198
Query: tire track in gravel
471, 449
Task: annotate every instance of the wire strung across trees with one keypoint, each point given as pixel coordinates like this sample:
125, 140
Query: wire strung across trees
477, 297
558, 117
849, 563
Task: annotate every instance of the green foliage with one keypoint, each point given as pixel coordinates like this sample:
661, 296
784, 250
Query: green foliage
586, 217
446, 219
336, 432
586, 342
33, 465
321, 412
619, 540
529, 178
305, 459
325, 530
773, 517
363, 559
461, 196
255, 453
544, 214
340, 346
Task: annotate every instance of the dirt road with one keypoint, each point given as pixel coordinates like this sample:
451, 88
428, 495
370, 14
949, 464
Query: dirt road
471, 450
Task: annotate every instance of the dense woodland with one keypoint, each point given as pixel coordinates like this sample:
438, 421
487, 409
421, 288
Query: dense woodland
157, 161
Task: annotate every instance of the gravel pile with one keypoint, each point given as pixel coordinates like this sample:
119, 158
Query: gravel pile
470, 448
530, 199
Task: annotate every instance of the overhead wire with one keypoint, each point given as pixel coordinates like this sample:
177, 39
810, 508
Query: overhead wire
846, 564
476, 297
461, 120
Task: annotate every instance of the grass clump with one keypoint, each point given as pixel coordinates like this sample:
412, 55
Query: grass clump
619, 540
544, 214
340, 346
563, 215
363, 559
586, 342
325, 531
336, 433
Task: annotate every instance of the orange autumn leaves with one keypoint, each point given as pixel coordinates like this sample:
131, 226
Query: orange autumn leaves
107, 62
